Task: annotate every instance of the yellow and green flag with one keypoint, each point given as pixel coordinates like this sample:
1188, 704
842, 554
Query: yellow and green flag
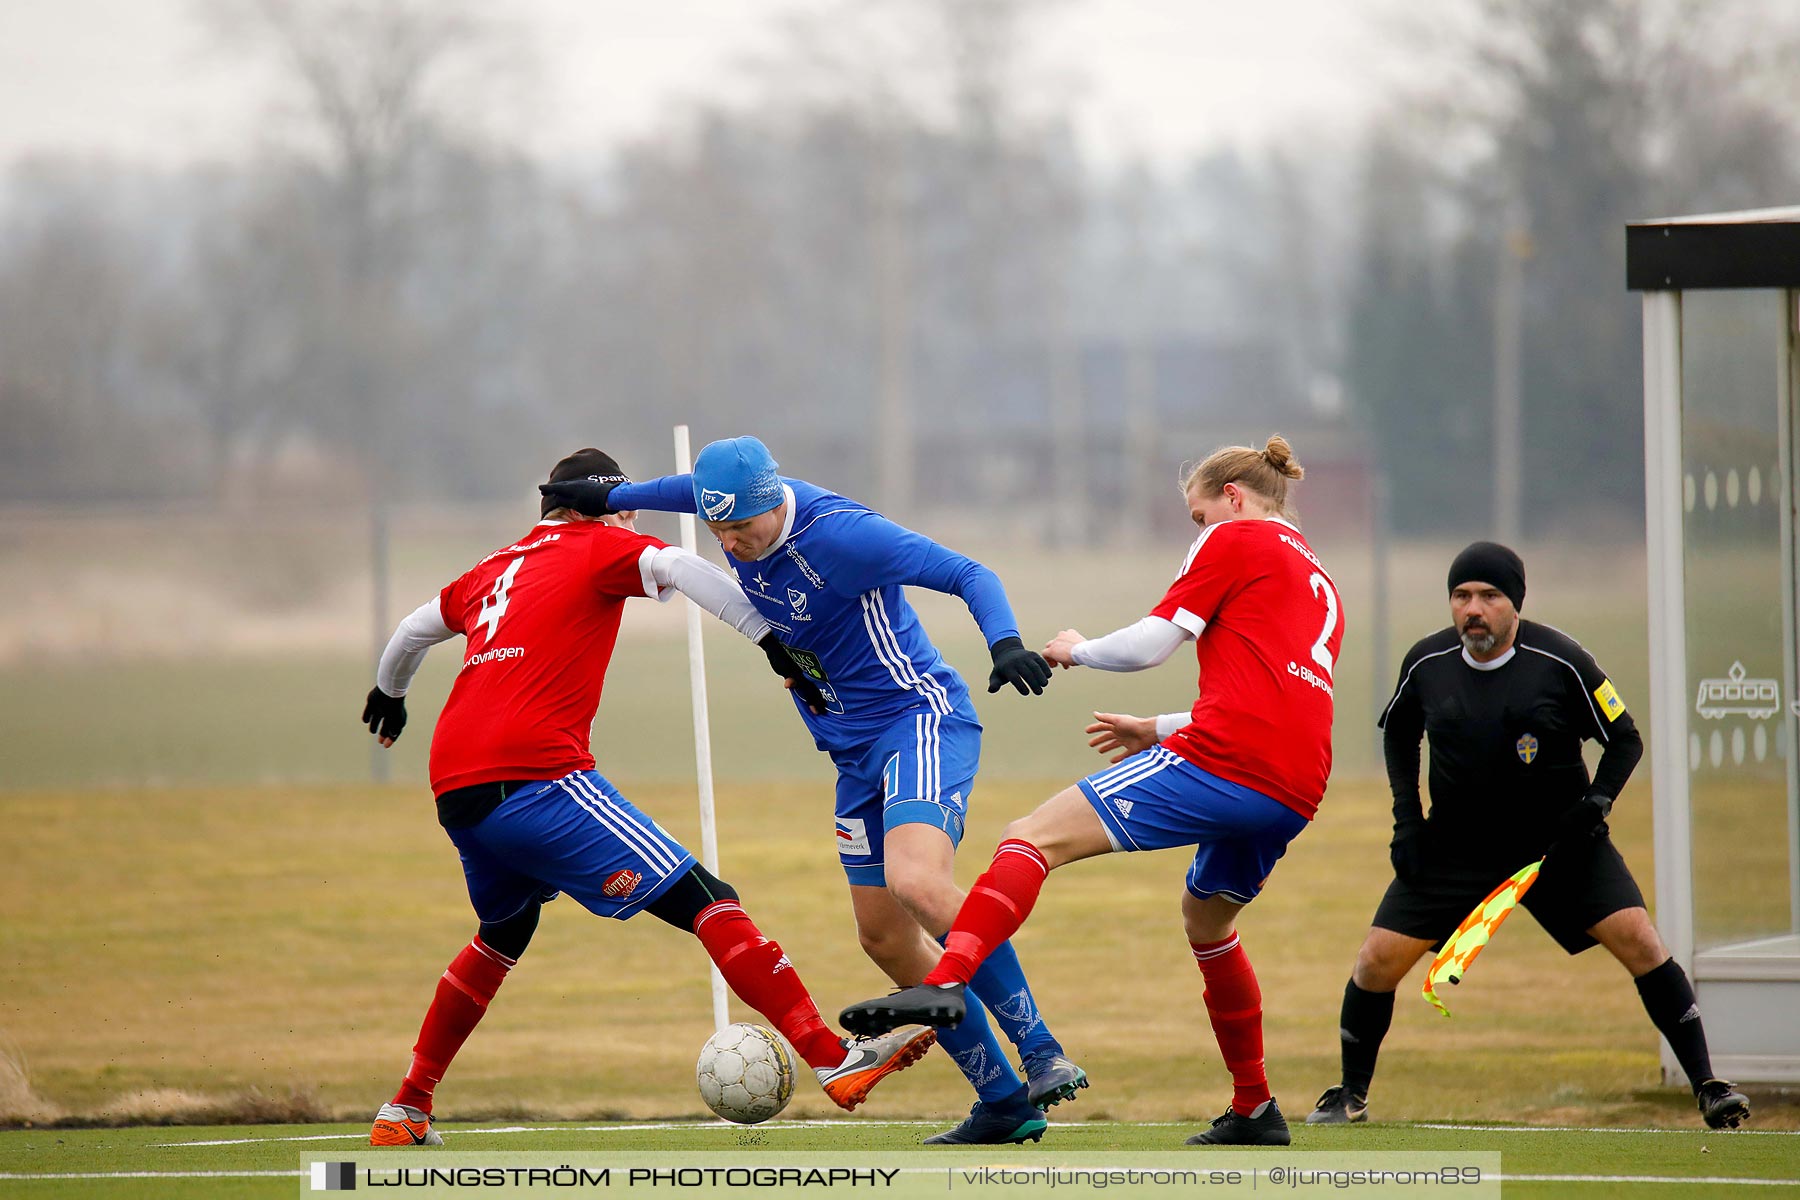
1454, 960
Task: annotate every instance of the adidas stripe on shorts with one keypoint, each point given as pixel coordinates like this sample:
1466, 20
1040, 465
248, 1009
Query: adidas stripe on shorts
1157, 799
577, 835
919, 771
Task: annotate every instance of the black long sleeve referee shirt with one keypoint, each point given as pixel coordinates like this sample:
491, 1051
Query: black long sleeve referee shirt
1505, 736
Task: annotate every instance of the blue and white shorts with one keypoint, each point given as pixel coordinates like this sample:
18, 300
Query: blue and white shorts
1156, 799
920, 771
577, 835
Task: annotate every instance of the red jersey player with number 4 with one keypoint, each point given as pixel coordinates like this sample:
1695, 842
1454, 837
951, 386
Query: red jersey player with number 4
1238, 777
518, 794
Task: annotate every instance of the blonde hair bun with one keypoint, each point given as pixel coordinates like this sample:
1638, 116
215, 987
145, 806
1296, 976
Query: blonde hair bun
1279, 455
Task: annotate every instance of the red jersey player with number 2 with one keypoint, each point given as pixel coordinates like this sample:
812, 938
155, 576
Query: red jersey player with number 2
1239, 777
518, 794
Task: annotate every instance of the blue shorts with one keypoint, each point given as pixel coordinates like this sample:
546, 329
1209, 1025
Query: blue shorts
1156, 799
576, 835
919, 771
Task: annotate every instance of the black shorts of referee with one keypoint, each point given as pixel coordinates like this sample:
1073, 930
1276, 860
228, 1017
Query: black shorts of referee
1580, 885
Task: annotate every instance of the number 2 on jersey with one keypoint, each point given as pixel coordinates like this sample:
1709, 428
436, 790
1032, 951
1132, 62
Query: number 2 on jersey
493, 605
1321, 654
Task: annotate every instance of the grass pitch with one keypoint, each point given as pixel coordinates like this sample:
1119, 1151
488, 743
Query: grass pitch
265, 1160
184, 954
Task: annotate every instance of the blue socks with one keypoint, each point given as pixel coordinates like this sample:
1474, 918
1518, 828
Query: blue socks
978, 1055
1000, 986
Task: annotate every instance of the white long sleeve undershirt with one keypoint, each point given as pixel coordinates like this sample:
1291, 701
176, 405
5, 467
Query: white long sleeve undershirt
710, 586
1139, 646
670, 569
422, 629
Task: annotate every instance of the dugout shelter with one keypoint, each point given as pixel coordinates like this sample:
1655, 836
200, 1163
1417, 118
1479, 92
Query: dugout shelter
1721, 312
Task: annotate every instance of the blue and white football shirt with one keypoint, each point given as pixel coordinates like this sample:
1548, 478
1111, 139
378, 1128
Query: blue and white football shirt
832, 587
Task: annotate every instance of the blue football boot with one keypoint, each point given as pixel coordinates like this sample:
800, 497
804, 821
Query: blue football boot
1051, 1079
993, 1123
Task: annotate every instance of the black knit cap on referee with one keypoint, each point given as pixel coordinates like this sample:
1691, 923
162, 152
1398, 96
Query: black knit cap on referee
1490, 562
587, 463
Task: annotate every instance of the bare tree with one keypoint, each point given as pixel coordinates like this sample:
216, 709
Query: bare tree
69, 297
366, 73
964, 193
1556, 122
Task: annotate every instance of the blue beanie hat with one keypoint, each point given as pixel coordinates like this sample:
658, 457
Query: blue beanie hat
735, 479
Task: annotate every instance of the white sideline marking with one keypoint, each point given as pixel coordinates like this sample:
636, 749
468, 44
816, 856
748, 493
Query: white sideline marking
849, 1123
311, 1137
559, 1128
152, 1175
1584, 1129
1714, 1179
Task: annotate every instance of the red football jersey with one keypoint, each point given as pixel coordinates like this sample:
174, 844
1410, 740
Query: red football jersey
1268, 626
540, 618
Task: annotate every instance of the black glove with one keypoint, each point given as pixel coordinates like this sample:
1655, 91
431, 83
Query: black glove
1025, 669
785, 666
1584, 819
385, 715
585, 496
1409, 850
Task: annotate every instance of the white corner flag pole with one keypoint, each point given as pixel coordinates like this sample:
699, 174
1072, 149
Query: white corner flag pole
709, 832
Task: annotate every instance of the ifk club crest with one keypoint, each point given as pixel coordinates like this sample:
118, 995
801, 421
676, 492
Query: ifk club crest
716, 506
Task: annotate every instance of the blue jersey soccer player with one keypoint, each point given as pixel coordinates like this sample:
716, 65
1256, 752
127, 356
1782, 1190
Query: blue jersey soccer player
827, 573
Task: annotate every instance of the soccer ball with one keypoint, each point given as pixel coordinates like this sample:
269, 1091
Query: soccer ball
745, 1073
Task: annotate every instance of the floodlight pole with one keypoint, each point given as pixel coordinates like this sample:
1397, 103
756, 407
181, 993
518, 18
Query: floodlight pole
378, 610
1380, 554
1509, 458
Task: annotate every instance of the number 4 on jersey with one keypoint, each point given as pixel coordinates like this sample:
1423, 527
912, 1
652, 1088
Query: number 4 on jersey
493, 605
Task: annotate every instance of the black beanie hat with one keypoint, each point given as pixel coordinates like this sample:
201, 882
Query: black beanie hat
1490, 562
583, 464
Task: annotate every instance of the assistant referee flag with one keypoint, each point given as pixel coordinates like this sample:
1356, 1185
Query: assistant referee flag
1459, 951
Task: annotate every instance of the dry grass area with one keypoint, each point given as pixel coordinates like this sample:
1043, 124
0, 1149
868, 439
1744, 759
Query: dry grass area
196, 955
19, 1102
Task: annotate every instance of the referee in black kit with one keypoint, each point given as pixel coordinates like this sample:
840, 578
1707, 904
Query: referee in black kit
1507, 704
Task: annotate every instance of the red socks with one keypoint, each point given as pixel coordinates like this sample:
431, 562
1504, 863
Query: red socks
462, 997
762, 977
997, 905
1234, 1004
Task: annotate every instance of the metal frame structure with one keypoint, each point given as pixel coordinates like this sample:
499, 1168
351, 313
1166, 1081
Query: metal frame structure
1750, 992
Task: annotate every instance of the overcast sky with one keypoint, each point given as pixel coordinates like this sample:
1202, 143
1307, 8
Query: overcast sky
148, 80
